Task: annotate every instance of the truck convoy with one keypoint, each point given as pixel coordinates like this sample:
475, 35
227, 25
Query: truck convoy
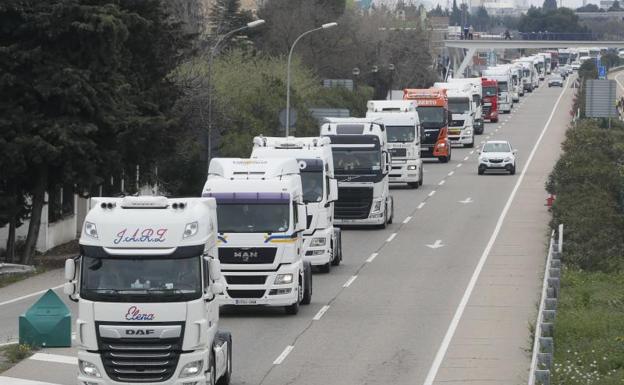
322, 243
147, 282
403, 130
461, 108
502, 75
262, 218
476, 91
490, 99
432, 107
362, 166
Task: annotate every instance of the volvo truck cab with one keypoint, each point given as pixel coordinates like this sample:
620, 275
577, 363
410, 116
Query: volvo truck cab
322, 242
262, 218
146, 282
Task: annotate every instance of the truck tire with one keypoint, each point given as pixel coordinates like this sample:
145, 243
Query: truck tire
227, 376
469, 145
326, 268
391, 219
212, 380
337, 249
422, 174
495, 120
443, 159
307, 284
294, 308
413, 184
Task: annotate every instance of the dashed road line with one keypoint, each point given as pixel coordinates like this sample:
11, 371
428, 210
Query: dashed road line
283, 356
29, 295
431, 193
466, 158
372, 257
406, 220
321, 313
56, 358
21, 381
451, 173
471, 152
459, 165
441, 182
350, 281
421, 205
391, 237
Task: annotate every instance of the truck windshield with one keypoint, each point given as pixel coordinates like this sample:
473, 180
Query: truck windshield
459, 105
489, 91
349, 161
312, 183
253, 217
131, 279
502, 86
431, 117
401, 134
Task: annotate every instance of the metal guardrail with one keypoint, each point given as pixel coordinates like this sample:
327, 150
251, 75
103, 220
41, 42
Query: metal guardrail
543, 345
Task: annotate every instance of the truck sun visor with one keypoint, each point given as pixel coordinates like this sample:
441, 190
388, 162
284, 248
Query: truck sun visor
249, 197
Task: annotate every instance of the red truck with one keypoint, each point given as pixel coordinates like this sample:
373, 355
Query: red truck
490, 99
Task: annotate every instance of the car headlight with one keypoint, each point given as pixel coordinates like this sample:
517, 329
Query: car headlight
483, 160
190, 229
315, 242
88, 369
412, 167
283, 279
377, 205
508, 159
192, 369
91, 230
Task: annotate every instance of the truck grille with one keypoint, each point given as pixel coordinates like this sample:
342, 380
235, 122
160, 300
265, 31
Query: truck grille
353, 202
140, 360
486, 110
398, 152
247, 255
245, 279
430, 136
245, 293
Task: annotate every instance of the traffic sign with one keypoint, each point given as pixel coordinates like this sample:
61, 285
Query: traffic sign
602, 72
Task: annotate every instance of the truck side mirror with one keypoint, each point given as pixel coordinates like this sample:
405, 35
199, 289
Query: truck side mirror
217, 288
69, 288
214, 267
70, 269
333, 190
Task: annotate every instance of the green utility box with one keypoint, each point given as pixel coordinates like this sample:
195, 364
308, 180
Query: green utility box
47, 323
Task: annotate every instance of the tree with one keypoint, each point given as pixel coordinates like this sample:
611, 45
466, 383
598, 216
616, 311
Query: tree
455, 17
615, 7
549, 5
438, 12
559, 20
589, 8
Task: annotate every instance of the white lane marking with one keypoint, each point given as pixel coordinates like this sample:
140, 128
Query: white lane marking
372, 257
391, 237
436, 245
499, 126
437, 361
471, 152
451, 173
466, 158
29, 295
467, 200
459, 165
21, 381
406, 220
350, 281
431, 193
441, 182
283, 356
56, 358
321, 313
421, 205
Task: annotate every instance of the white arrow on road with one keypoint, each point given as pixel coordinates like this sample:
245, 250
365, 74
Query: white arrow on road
436, 245
467, 200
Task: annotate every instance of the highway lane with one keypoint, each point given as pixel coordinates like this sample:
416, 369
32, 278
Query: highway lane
388, 323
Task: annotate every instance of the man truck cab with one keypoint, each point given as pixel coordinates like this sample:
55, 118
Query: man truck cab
322, 242
432, 107
362, 166
400, 119
461, 124
262, 218
146, 283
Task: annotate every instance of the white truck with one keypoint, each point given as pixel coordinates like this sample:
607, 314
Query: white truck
403, 130
530, 79
461, 109
262, 218
146, 282
362, 166
477, 100
322, 242
516, 77
540, 64
502, 75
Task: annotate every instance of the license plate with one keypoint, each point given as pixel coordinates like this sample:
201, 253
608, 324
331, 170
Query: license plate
245, 301
497, 165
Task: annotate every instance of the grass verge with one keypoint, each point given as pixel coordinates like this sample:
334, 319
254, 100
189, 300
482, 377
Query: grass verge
12, 354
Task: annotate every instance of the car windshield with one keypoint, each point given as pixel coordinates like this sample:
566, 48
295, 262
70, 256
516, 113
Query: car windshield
144, 279
489, 91
459, 105
312, 183
348, 161
401, 134
253, 217
431, 116
496, 147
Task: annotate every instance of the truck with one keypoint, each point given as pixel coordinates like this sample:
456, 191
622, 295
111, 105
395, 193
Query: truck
262, 218
477, 101
502, 75
461, 109
322, 241
403, 130
432, 107
547, 62
146, 281
490, 99
530, 79
362, 165
516, 77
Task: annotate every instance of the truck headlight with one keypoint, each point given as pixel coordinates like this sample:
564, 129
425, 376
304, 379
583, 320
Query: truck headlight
377, 205
468, 132
88, 369
192, 369
91, 230
190, 229
316, 242
283, 279
412, 167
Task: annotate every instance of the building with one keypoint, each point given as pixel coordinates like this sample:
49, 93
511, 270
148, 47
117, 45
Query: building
606, 4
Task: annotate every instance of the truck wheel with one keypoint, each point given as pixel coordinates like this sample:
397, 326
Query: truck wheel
294, 308
495, 120
337, 250
307, 284
326, 268
469, 145
422, 174
413, 184
443, 159
391, 212
213, 369
227, 376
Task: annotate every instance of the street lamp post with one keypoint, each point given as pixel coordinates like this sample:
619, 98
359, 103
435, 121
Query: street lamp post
213, 52
324, 26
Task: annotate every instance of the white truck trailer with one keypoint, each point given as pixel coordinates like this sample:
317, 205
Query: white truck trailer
403, 130
461, 109
362, 166
146, 283
262, 218
322, 242
476, 91
502, 75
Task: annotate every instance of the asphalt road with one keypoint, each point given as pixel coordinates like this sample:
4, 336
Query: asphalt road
386, 324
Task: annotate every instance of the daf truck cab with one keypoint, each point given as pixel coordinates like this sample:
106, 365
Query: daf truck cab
262, 218
403, 130
502, 75
146, 282
476, 90
460, 126
490, 99
322, 242
362, 165
432, 107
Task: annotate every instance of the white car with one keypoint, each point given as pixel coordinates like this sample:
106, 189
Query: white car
576, 65
555, 80
497, 155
